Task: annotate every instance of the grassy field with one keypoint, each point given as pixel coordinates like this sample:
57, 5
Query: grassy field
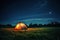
30, 34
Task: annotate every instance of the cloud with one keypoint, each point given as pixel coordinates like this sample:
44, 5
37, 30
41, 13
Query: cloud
38, 19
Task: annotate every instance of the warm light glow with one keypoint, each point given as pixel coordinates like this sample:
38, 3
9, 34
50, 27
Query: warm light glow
20, 26
17, 26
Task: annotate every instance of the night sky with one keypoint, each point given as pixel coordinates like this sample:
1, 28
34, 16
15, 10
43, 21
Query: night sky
29, 11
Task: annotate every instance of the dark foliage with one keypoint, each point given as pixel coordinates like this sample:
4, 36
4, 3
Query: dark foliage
52, 24
6, 26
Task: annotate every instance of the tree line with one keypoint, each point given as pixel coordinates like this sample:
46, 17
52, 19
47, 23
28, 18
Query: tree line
52, 24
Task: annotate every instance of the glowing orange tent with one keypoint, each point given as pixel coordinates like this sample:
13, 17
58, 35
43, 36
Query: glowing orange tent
21, 26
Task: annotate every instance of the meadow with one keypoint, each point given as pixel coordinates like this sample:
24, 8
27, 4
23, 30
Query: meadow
47, 33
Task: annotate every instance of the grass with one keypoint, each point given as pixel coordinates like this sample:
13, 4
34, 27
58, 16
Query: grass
30, 34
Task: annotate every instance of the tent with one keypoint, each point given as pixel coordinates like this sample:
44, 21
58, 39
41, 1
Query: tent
21, 26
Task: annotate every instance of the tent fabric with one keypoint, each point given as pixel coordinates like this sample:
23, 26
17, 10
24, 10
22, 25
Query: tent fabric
21, 26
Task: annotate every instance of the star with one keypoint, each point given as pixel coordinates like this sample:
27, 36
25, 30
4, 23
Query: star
50, 12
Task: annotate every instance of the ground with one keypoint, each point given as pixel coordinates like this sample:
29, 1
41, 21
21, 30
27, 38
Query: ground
47, 33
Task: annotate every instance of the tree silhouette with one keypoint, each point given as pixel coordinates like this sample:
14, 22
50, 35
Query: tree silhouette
6, 26
52, 24
40, 25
